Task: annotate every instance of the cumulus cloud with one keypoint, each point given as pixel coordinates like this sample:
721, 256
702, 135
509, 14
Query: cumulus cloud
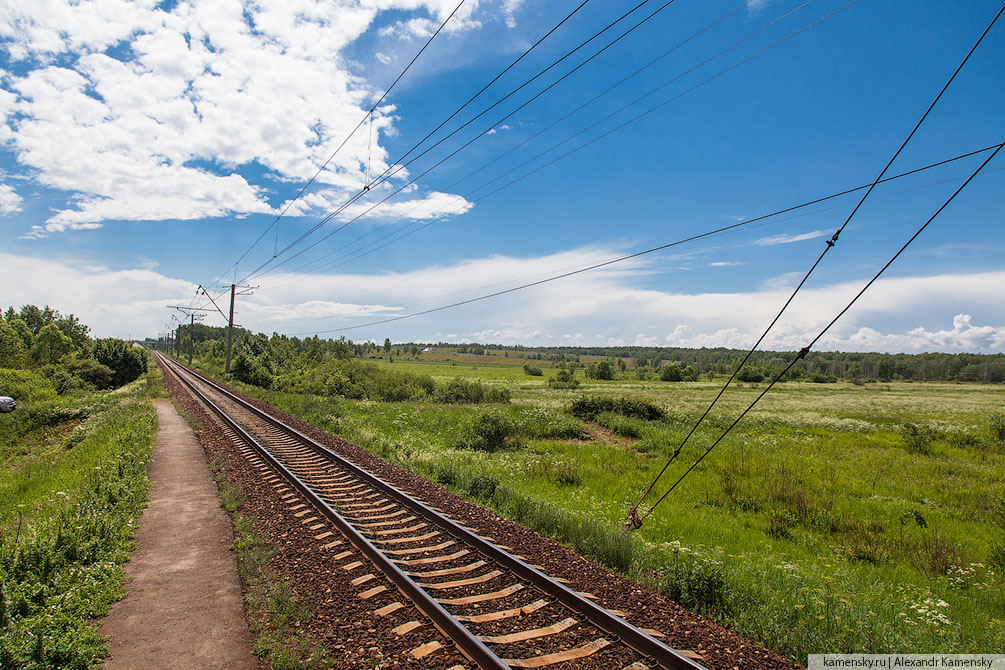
10, 201
145, 113
948, 313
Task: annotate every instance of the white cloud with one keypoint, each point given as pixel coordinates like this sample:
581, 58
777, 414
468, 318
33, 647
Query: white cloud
785, 238
10, 201
911, 314
154, 114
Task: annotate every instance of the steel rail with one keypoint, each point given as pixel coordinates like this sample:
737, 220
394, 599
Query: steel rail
466, 641
630, 635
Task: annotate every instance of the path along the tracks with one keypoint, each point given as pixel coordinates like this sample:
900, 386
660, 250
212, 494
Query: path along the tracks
183, 608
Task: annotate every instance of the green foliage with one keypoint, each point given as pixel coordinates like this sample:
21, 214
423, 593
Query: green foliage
695, 583
620, 425
997, 427
565, 377
96, 375
126, 361
482, 486
673, 372
590, 407
917, 438
459, 390
489, 431
750, 375
250, 370
541, 423
60, 553
532, 370
50, 345
600, 370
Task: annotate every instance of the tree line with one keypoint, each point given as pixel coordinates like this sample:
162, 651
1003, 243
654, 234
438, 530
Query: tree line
60, 347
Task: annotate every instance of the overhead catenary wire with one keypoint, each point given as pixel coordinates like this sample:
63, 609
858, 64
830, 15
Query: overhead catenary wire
398, 166
638, 254
367, 116
751, 224
632, 514
463, 199
802, 352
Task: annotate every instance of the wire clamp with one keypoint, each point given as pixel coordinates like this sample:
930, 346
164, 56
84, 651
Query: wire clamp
633, 519
833, 239
802, 353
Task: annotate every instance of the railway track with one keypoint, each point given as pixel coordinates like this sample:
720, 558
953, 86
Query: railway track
496, 608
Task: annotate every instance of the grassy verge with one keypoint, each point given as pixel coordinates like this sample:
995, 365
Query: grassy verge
837, 518
74, 480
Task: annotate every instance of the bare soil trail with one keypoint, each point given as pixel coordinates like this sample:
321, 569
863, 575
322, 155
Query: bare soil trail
183, 607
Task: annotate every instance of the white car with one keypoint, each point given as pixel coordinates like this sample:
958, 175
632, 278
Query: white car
7, 404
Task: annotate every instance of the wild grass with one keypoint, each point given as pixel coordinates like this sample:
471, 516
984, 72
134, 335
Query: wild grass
74, 479
814, 527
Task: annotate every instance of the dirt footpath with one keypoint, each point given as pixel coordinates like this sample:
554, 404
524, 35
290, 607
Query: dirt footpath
183, 608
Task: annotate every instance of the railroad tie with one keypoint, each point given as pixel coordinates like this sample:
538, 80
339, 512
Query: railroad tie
406, 628
389, 609
504, 614
530, 634
559, 657
426, 649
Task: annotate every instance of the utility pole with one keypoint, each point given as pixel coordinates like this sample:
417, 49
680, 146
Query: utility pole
191, 313
230, 319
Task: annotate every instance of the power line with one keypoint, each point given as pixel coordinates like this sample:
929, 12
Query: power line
400, 166
633, 518
324, 165
563, 156
645, 252
802, 352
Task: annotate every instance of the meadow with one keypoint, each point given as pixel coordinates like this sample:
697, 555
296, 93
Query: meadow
836, 517
73, 480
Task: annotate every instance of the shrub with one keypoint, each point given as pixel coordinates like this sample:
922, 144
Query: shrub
482, 486
589, 408
126, 361
489, 431
671, 372
600, 370
997, 427
543, 423
917, 439
565, 378
458, 390
250, 371
533, 371
695, 583
92, 372
748, 374
996, 556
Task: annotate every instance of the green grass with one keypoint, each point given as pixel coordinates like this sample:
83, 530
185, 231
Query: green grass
814, 527
73, 481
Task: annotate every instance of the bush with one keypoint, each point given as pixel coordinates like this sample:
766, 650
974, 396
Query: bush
565, 378
250, 371
997, 427
126, 360
458, 391
92, 372
533, 371
600, 370
671, 372
589, 408
747, 374
489, 431
917, 439
543, 423
482, 486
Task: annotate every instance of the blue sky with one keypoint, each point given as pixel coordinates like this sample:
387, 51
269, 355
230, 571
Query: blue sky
145, 146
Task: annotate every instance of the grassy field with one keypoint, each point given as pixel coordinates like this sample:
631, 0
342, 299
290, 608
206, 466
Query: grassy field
835, 518
72, 482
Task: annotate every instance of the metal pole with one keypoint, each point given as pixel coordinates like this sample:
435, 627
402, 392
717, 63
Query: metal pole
191, 338
230, 329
